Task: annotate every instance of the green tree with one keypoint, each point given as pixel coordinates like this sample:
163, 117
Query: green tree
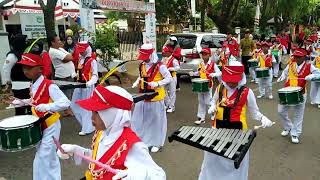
48, 14
222, 13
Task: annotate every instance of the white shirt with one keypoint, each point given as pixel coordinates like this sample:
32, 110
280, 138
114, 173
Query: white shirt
175, 63
60, 101
167, 78
251, 103
62, 70
10, 61
216, 68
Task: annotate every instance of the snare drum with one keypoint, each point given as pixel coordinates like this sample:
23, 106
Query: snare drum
262, 72
200, 85
252, 63
290, 95
19, 133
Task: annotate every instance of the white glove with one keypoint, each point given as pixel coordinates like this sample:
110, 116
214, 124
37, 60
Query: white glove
281, 78
171, 69
136, 83
265, 122
153, 84
191, 73
69, 149
21, 102
122, 174
212, 75
43, 107
309, 77
211, 110
90, 83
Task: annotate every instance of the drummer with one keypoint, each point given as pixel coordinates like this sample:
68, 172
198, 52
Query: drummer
47, 99
149, 119
228, 108
277, 50
87, 73
255, 56
207, 69
173, 66
297, 73
265, 61
111, 110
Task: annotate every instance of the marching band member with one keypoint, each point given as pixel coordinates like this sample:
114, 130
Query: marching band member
232, 45
265, 61
87, 73
149, 119
315, 86
297, 73
173, 66
114, 143
207, 69
255, 56
277, 50
47, 100
229, 104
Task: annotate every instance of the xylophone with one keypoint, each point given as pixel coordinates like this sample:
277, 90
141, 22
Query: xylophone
143, 96
229, 143
63, 85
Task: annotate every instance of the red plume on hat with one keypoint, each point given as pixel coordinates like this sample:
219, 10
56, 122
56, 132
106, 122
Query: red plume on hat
300, 52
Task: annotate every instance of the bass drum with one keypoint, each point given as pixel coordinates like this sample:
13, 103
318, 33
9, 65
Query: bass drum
19, 133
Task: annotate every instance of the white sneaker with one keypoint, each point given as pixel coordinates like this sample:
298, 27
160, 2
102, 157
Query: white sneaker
294, 139
200, 122
260, 96
270, 97
319, 106
155, 149
312, 103
170, 110
285, 133
82, 133
252, 80
178, 89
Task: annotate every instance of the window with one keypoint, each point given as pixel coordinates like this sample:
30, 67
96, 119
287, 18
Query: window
186, 41
207, 41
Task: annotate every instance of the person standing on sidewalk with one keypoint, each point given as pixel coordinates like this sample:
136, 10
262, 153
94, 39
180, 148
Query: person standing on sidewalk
247, 47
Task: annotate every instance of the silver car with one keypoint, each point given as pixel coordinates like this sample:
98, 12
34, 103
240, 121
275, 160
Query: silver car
191, 45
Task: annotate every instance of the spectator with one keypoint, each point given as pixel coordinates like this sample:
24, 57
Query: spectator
247, 47
14, 76
61, 61
232, 45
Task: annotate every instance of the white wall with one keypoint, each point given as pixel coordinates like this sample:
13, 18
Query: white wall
12, 19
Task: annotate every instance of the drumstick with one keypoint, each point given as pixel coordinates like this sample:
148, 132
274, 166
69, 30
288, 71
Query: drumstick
258, 127
32, 105
98, 163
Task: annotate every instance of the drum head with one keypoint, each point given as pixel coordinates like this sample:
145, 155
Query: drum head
290, 89
199, 80
18, 121
261, 69
252, 60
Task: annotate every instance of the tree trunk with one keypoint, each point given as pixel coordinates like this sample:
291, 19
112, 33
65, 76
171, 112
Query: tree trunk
49, 16
223, 18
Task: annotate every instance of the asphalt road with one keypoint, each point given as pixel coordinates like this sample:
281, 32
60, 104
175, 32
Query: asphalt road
271, 156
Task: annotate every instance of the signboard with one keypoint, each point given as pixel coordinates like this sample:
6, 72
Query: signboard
126, 5
87, 22
32, 25
150, 24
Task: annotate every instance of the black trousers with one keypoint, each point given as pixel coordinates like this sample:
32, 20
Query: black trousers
244, 60
22, 94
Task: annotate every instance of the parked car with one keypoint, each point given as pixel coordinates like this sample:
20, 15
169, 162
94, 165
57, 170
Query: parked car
191, 45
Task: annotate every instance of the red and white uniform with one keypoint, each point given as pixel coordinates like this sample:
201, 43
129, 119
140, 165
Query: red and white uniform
232, 45
265, 84
87, 73
117, 145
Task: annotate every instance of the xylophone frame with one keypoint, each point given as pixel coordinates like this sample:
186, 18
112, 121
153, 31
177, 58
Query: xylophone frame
237, 160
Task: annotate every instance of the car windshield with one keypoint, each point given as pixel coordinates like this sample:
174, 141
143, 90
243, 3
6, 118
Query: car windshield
186, 41
218, 41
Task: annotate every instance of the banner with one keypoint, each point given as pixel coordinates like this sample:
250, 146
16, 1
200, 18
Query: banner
32, 25
126, 5
87, 22
150, 24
